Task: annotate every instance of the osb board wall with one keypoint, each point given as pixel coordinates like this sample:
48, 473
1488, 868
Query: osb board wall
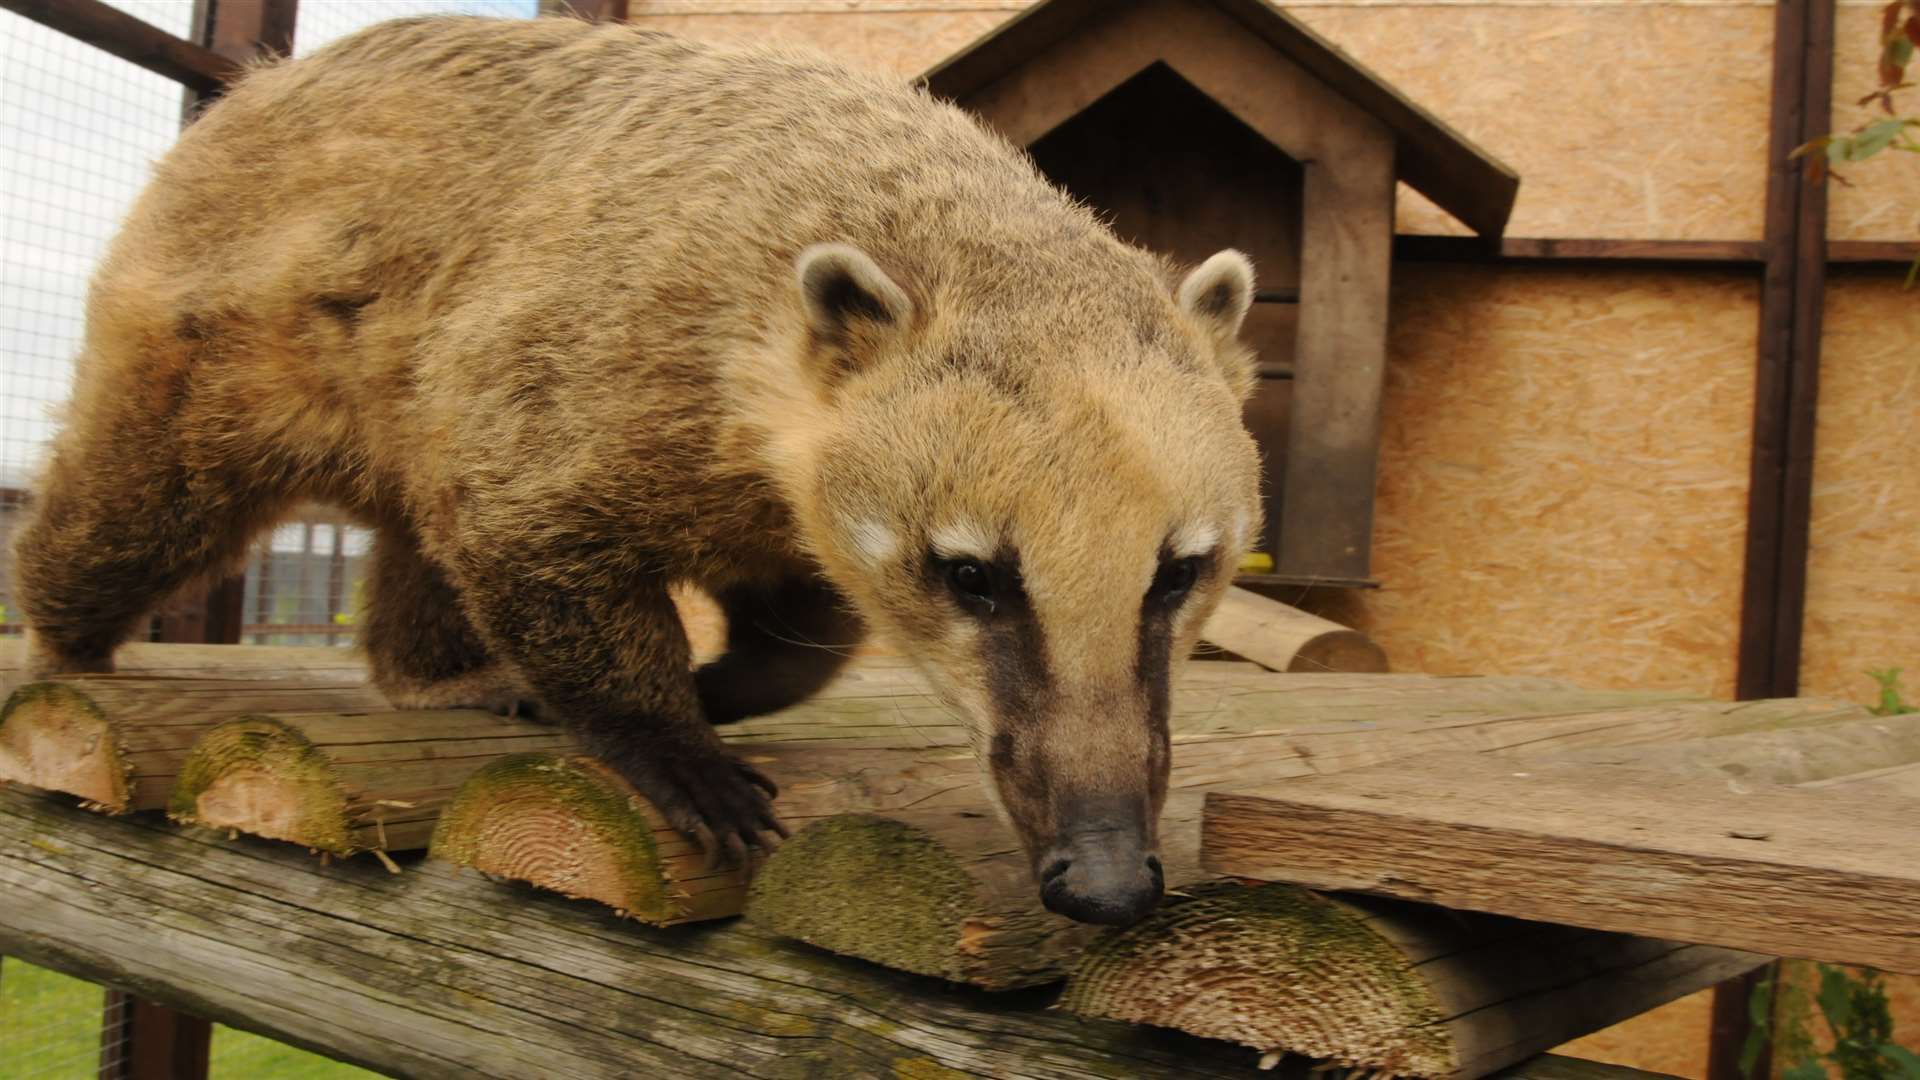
1863, 569
1881, 199
901, 37
1563, 463
1625, 118
1637, 119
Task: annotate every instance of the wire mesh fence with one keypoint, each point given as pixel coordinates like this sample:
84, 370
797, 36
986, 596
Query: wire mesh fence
79, 131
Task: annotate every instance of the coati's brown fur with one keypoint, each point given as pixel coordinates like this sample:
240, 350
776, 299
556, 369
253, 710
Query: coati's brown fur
547, 304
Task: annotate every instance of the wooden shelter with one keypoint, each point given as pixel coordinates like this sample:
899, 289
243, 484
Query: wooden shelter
1202, 124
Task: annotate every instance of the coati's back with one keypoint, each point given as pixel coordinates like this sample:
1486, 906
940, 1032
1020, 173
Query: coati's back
467, 179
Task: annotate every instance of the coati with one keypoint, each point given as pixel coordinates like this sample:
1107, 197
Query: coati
571, 313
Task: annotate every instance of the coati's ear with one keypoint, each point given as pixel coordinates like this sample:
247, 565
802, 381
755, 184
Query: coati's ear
1218, 293
845, 295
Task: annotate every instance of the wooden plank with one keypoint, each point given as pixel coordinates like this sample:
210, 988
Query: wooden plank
1826, 874
1473, 249
432, 973
591, 10
1374, 984
131, 39
1340, 361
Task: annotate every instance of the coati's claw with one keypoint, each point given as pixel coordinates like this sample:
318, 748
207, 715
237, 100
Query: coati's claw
721, 804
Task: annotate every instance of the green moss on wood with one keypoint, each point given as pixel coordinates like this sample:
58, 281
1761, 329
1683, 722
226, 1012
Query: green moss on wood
267, 751
870, 887
36, 700
502, 797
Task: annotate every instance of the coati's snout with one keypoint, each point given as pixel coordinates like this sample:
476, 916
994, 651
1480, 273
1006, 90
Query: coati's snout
1103, 870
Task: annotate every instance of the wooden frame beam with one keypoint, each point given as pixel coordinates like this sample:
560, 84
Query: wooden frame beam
1787, 375
131, 39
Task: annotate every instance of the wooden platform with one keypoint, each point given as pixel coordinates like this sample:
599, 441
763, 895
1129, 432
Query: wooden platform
434, 973
1829, 874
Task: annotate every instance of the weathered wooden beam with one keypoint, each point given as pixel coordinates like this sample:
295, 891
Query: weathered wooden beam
118, 741
1826, 875
1280, 637
132, 39
433, 973
1380, 985
252, 662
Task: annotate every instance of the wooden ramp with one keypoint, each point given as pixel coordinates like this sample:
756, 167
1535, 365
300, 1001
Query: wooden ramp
1829, 874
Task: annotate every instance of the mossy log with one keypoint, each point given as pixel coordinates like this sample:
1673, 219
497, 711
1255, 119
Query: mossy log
343, 782
438, 974
117, 741
1280, 637
1379, 985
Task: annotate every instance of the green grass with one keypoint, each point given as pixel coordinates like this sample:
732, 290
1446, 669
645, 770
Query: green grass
50, 1030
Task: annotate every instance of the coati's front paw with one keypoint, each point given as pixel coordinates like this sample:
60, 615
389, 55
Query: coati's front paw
715, 800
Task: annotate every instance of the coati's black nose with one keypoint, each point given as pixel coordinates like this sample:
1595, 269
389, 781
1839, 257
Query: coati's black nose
1112, 885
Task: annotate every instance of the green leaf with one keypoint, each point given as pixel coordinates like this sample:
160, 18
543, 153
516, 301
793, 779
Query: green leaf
1806, 1070
1874, 138
1760, 1005
1899, 51
1907, 1060
1836, 999
1750, 1051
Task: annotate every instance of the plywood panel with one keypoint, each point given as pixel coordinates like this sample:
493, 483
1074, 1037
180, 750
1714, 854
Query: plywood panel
1881, 199
1635, 120
1863, 569
1563, 475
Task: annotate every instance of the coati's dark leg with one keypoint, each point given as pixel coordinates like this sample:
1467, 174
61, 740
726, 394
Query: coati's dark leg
784, 642
119, 521
601, 644
422, 651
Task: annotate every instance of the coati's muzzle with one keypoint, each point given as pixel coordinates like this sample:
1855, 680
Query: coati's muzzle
1102, 869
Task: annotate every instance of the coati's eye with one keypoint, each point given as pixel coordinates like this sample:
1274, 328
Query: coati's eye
1175, 577
970, 580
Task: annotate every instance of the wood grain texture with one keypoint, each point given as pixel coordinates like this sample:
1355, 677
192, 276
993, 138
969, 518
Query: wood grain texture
438, 974
1281, 637
432, 973
118, 741
343, 783
1377, 984
925, 878
283, 662
1820, 874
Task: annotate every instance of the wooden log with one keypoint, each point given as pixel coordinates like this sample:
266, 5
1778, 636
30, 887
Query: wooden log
1823, 874
117, 741
253, 662
959, 899
1378, 985
570, 825
343, 783
434, 973
1283, 638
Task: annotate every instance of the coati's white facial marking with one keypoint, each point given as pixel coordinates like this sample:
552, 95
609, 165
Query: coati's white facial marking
1242, 522
963, 540
1195, 538
875, 542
